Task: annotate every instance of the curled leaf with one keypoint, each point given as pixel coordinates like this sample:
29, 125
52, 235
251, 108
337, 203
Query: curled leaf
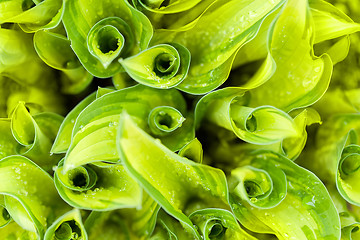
214, 44
97, 187
161, 66
30, 196
348, 173
262, 187
164, 119
105, 41
336, 154
292, 147
35, 135
351, 232
104, 31
306, 211
5, 217
68, 226
262, 125
219, 224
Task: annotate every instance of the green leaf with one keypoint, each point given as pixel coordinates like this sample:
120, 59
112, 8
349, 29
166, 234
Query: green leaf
251, 54
105, 41
63, 138
167, 7
32, 15
300, 78
306, 212
97, 187
349, 224
5, 217
348, 173
122, 80
216, 224
293, 146
214, 44
161, 66
54, 49
351, 232
168, 227
155, 165
8, 144
336, 154
14, 231
127, 223
36, 99
102, 91
177, 21
101, 32
24, 76
260, 185
35, 135
164, 119
262, 125
257, 48
20, 62
94, 132
30, 196
337, 101
193, 151
330, 22
68, 226
22, 125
